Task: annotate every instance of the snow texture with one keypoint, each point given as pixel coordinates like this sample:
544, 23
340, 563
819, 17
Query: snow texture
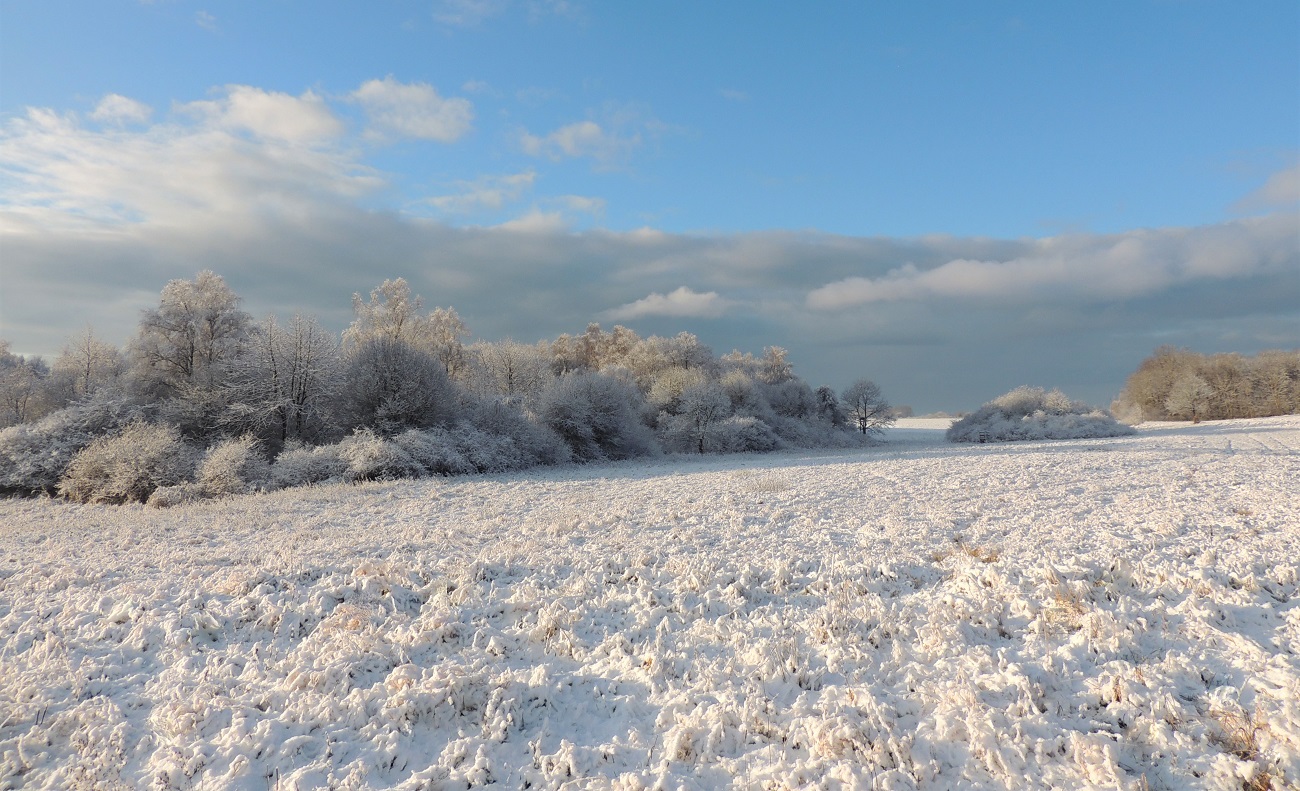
1112, 614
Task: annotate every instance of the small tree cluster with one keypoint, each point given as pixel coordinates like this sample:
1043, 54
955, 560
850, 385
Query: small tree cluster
1177, 384
1029, 413
205, 402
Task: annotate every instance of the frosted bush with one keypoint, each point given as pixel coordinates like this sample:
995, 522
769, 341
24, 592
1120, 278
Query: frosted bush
507, 440
745, 434
169, 496
233, 466
34, 456
298, 465
597, 416
129, 466
1029, 413
371, 457
437, 450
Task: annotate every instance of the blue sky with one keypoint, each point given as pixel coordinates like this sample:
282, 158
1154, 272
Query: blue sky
951, 198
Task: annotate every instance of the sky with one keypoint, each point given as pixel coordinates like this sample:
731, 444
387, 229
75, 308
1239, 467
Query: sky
949, 198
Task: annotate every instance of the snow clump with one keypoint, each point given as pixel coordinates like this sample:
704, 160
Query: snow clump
1028, 413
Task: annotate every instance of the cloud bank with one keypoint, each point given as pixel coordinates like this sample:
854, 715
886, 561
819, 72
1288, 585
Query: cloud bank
275, 192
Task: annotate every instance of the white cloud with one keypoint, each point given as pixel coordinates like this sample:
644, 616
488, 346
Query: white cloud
414, 110
119, 109
682, 303
269, 114
1282, 190
1086, 268
536, 222
581, 139
733, 95
65, 175
582, 204
206, 21
486, 192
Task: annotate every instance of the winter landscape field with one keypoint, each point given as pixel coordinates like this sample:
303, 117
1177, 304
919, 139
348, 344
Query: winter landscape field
1110, 613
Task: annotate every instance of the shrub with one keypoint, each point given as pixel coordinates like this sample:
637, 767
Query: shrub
597, 417
437, 450
129, 466
169, 496
1028, 413
34, 456
743, 434
299, 465
371, 457
233, 466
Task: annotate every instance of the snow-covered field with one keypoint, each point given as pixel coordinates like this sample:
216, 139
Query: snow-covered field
1120, 613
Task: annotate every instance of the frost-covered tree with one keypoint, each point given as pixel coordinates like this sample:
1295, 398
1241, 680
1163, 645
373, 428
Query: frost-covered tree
1189, 398
696, 427
284, 385
184, 345
24, 394
598, 417
828, 407
88, 364
867, 407
389, 385
393, 312
514, 372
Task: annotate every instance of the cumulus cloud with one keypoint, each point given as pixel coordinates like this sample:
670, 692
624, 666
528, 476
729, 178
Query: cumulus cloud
684, 302
1282, 190
63, 175
269, 114
581, 139
1084, 267
117, 109
485, 192
97, 215
536, 222
413, 110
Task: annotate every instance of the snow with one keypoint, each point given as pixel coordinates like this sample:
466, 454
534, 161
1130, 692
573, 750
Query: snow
1112, 613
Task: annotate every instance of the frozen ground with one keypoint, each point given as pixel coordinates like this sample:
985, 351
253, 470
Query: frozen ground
1119, 613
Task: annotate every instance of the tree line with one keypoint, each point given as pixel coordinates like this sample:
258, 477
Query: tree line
403, 390
1179, 384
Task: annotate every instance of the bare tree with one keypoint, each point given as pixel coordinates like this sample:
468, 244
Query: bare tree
868, 407
1189, 398
284, 384
516, 372
394, 313
183, 344
88, 364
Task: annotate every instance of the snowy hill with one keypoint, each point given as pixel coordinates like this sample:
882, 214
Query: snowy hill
1117, 613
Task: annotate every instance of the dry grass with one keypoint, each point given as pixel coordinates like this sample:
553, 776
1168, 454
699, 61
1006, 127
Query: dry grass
1238, 733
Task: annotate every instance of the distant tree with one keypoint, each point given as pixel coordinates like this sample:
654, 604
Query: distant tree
697, 425
23, 387
88, 364
1189, 398
598, 417
776, 367
829, 408
393, 312
867, 407
284, 385
390, 386
514, 372
185, 344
